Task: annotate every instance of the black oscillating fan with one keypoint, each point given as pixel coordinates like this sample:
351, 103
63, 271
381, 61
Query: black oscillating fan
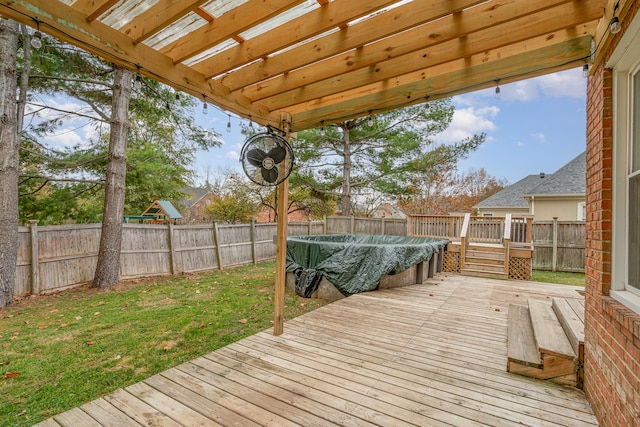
267, 159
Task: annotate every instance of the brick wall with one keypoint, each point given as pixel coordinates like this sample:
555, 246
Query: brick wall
612, 332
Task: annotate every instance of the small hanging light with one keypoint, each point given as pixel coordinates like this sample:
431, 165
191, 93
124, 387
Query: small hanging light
36, 39
137, 82
585, 70
204, 105
177, 98
370, 120
229, 124
322, 130
498, 89
614, 25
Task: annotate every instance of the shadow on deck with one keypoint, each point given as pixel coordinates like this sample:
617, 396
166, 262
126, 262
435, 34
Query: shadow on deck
426, 355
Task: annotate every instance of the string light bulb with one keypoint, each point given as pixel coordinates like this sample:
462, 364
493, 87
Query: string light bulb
585, 70
137, 82
322, 129
370, 120
229, 124
177, 98
205, 109
498, 89
36, 40
614, 25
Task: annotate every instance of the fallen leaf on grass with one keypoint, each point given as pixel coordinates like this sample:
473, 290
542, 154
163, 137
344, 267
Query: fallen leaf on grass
242, 321
101, 303
97, 313
197, 291
169, 346
11, 374
43, 327
21, 413
89, 343
78, 317
6, 362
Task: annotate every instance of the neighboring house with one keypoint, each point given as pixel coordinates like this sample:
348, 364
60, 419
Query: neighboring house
561, 195
195, 205
267, 214
387, 210
510, 199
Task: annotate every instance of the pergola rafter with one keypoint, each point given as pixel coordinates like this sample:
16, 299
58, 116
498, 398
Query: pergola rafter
322, 61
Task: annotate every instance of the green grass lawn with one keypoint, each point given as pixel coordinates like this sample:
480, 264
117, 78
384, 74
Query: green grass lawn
574, 279
59, 351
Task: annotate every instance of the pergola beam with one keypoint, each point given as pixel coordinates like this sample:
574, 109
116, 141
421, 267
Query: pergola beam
112, 45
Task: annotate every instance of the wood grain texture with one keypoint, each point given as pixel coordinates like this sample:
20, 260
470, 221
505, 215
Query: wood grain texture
428, 355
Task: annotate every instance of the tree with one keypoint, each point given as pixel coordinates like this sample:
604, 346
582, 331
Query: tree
450, 192
235, 202
108, 267
378, 154
8, 161
68, 185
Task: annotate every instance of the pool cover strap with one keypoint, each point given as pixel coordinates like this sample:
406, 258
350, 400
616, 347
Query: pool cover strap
356, 263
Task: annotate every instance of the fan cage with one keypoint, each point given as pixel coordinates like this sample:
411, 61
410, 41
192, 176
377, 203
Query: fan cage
266, 141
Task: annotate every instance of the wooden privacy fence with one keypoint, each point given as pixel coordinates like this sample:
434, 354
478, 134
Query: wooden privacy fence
54, 258
559, 245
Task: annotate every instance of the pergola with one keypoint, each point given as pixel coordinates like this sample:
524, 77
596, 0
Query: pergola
300, 64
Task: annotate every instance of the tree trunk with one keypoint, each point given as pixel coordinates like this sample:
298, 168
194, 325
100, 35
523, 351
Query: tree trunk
108, 268
9, 164
346, 173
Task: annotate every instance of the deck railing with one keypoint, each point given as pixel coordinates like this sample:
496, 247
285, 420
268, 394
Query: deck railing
479, 229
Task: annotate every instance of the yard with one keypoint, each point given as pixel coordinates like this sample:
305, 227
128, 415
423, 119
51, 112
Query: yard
61, 350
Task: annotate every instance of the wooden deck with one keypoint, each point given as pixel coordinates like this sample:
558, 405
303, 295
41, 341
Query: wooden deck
425, 355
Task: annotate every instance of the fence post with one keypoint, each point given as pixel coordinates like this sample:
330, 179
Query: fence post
324, 224
172, 252
353, 225
35, 265
383, 230
554, 258
215, 242
252, 232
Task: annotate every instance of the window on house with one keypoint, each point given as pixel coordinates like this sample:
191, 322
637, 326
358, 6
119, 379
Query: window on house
487, 214
582, 212
625, 258
633, 184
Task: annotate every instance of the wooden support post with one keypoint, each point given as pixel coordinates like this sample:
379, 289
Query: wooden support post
554, 258
419, 273
432, 266
252, 233
441, 259
35, 264
217, 244
281, 252
172, 252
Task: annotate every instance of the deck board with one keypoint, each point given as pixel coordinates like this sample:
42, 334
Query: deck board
432, 354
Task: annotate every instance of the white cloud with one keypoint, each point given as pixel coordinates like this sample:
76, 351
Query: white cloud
540, 137
520, 144
469, 121
232, 155
65, 138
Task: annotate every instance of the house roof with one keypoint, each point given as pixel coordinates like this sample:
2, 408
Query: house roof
195, 193
311, 63
512, 196
568, 180
162, 206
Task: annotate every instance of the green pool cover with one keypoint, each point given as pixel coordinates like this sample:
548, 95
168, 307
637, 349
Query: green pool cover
356, 263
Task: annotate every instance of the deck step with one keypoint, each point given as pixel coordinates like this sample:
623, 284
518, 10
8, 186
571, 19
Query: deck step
521, 344
539, 347
491, 268
570, 313
550, 336
483, 273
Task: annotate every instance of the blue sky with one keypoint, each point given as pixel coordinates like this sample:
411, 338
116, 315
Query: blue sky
537, 125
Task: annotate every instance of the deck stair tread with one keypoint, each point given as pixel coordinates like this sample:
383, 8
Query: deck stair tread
567, 312
484, 267
549, 333
482, 273
521, 344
